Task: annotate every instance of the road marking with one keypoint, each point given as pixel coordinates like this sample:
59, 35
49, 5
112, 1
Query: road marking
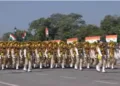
67, 77
42, 74
8, 84
107, 82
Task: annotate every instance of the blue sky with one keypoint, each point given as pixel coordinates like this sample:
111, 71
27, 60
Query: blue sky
20, 14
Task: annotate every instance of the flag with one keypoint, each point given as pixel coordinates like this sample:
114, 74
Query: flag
58, 41
111, 38
24, 35
71, 40
92, 39
12, 37
46, 32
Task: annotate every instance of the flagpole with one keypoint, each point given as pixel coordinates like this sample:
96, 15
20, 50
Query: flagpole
15, 29
47, 38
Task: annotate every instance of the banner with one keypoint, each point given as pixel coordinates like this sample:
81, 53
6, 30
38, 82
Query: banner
92, 39
58, 41
71, 40
111, 38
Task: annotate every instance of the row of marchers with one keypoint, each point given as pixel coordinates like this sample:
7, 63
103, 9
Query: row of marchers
77, 55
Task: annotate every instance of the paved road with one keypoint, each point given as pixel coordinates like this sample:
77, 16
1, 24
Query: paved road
60, 77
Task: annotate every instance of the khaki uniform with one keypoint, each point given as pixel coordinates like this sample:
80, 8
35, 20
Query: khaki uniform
28, 57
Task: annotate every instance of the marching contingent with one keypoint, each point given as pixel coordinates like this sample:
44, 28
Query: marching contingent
58, 54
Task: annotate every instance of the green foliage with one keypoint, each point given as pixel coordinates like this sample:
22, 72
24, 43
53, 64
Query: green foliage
18, 34
6, 36
63, 26
111, 25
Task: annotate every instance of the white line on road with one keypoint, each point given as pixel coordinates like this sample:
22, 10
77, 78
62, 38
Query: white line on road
42, 74
8, 84
67, 77
107, 82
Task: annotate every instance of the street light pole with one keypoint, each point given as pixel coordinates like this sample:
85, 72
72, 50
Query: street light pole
15, 29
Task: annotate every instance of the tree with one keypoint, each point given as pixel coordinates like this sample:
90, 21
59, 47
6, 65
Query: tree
39, 26
64, 26
6, 36
61, 26
111, 25
68, 25
88, 30
18, 35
